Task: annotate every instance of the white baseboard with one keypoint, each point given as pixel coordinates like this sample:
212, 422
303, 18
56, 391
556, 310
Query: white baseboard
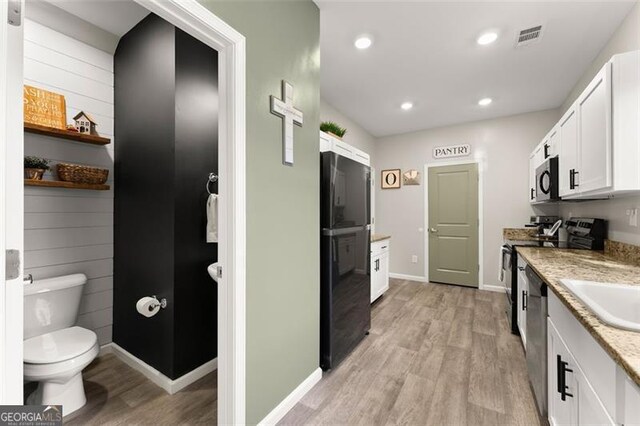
171, 386
496, 288
407, 277
292, 399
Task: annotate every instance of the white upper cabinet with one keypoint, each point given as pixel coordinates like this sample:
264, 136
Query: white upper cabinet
552, 147
594, 132
532, 178
568, 152
598, 138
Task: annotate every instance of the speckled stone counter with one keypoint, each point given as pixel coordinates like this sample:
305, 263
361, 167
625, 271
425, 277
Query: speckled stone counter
379, 237
519, 234
552, 265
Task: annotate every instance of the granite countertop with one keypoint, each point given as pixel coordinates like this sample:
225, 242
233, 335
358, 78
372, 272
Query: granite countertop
379, 237
519, 234
552, 265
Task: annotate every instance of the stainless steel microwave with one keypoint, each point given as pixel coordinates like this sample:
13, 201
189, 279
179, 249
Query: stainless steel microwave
547, 180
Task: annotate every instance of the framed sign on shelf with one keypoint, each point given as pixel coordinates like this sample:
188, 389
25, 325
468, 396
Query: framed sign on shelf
44, 108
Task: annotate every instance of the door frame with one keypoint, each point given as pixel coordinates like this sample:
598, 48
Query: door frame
196, 20
480, 164
11, 220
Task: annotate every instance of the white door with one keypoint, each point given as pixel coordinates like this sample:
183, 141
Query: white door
11, 200
568, 155
594, 133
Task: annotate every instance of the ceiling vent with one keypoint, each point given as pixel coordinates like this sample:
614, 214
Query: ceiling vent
528, 36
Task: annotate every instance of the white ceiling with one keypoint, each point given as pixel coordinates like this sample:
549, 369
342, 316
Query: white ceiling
426, 52
114, 16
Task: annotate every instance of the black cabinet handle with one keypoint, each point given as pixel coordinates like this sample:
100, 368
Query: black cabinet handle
524, 300
562, 378
532, 193
546, 151
572, 178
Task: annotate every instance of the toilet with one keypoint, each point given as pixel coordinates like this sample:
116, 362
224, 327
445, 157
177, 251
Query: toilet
55, 350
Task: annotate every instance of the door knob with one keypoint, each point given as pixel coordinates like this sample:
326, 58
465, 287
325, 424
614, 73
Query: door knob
433, 230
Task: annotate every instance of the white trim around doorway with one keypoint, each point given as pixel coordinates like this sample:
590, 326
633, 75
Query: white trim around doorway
193, 18
480, 164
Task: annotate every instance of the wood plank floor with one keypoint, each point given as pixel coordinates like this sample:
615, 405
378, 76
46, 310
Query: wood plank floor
436, 355
119, 395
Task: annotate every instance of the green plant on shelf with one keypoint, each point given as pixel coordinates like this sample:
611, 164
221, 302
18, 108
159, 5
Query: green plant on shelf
31, 162
333, 128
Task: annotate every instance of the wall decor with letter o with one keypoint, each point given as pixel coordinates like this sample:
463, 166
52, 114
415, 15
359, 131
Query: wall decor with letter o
390, 179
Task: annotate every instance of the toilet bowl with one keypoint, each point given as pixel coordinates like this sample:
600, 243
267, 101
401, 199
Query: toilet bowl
55, 350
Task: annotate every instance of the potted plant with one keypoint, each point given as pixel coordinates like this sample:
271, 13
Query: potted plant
34, 167
333, 129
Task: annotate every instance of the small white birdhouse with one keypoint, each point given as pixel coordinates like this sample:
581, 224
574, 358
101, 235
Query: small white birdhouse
85, 124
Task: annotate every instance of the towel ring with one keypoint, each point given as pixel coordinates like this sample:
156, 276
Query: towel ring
213, 178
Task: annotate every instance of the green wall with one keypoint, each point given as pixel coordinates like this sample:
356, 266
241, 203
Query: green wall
283, 254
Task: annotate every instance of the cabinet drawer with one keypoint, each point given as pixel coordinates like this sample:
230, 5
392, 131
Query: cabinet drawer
380, 247
598, 368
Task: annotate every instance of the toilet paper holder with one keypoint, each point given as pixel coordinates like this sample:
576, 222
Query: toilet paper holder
149, 306
162, 302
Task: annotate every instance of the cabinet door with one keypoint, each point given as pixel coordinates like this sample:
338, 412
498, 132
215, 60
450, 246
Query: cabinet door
568, 152
553, 143
384, 272
594, 134
523, 294
561, 380
376, 282
532, 178
589, 407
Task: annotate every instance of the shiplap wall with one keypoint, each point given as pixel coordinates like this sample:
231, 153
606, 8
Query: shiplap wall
71, 231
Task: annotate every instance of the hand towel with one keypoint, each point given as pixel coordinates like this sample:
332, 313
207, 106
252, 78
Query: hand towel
212, 218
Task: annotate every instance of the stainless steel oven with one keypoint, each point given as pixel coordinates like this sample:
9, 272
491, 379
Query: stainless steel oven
547, 180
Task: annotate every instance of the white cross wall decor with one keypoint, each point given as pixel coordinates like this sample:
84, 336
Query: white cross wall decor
284, 108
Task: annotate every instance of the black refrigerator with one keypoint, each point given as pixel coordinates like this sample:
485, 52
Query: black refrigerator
345, 280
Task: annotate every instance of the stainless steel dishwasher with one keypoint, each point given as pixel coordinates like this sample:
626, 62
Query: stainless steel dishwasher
537, 339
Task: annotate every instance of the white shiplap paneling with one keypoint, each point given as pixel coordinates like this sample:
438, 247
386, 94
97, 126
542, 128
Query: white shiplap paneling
71, 231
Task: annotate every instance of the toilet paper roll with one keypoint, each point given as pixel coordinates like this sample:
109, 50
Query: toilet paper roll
148, 306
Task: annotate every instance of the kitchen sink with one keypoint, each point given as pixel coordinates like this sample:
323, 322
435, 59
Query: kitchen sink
615, 304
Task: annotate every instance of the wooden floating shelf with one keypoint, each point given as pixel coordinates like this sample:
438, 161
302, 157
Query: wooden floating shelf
68, 185
66, 134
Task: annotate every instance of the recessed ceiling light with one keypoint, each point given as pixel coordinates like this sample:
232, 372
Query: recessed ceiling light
485, 101
487, 38
363, 42
406, 106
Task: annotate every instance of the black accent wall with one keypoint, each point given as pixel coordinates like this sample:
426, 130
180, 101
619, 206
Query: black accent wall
166, 144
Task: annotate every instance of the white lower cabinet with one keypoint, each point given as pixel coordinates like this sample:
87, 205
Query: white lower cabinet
585, 385
572, 400
379, 268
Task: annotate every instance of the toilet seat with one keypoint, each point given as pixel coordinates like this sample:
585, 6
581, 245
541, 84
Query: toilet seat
59, 346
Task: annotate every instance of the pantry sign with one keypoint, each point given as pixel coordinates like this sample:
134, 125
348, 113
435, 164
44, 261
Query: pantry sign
44, 108
452, 151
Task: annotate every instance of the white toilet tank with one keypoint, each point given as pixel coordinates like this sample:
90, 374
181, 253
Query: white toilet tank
52, 304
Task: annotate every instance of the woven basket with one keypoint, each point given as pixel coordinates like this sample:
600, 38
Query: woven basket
81, 174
